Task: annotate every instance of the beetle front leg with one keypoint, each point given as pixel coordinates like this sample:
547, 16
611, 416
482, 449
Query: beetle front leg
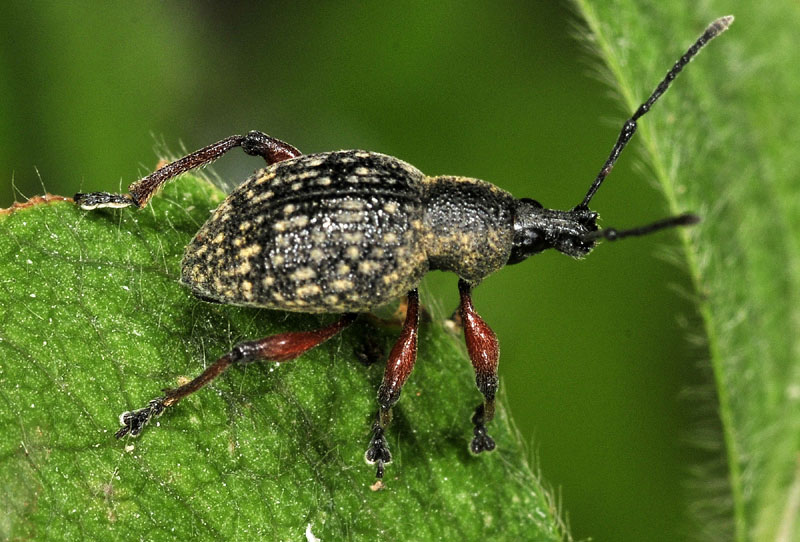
280, 347
484, 351
254, 143
398, 368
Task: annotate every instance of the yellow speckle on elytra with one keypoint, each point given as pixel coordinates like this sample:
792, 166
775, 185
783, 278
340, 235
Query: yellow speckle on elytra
342, 285
314, 162
247, 289
308, 290
352, 205
353, 237
261, 179
304, 273
367, 267
348, 217
262, 197
317, 255
249, 251
243, 268
298, 221
306, 174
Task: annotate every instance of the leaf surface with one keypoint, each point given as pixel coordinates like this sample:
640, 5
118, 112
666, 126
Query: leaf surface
94, 322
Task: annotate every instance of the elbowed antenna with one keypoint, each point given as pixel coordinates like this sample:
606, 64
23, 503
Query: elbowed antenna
612, 234
629, 128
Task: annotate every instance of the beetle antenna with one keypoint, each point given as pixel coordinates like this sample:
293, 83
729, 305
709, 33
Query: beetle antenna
611, 234
629, 128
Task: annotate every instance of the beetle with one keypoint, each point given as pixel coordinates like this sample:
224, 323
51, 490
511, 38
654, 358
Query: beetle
348, 231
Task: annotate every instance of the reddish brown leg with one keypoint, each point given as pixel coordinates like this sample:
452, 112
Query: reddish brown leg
398, 367
280, 347
484, 351
253, 143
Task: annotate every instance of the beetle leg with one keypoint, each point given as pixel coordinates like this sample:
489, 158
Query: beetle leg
398, 367
280, 347
253, 143
484, 352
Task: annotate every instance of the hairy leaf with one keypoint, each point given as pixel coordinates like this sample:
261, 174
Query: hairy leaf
729, 150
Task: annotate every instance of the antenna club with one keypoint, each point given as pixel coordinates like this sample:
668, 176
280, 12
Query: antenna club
719, 26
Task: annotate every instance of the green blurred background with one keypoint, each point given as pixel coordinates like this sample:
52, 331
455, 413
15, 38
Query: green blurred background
595, 361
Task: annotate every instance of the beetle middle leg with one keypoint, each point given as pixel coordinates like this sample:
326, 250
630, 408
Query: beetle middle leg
280, 347
484, 351
398, 368
254, 143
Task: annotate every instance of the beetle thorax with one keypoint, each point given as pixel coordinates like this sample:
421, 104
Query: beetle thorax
468, 226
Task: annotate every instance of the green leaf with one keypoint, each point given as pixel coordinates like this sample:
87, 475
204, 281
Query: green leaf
94, 322
729, 149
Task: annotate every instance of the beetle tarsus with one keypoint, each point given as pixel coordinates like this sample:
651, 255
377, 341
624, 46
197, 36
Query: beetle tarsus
482, 442
378, 452
100, 200
133, 421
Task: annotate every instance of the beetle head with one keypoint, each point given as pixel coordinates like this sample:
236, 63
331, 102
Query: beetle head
537, 229
574, 232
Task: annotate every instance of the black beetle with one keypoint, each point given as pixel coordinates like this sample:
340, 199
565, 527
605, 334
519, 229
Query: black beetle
348, 231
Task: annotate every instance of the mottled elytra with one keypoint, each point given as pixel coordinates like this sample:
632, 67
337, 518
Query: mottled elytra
348, 231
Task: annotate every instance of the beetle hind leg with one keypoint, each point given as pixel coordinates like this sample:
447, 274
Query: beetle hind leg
254, 143
398, 368
280, 347
484, 352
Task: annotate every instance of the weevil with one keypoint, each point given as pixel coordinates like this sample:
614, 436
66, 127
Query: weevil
348, 231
